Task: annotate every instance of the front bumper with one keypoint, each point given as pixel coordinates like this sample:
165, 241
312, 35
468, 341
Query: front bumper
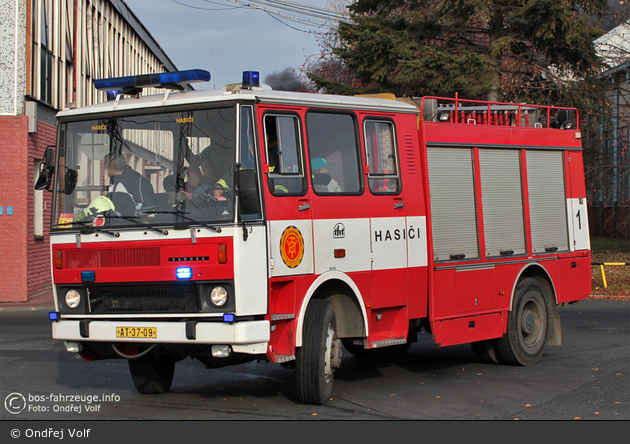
245, 334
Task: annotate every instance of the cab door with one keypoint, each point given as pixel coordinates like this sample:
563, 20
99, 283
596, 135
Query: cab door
386, 203
287, 195
341, 226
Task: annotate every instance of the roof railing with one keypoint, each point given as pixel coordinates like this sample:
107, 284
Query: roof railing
478, 112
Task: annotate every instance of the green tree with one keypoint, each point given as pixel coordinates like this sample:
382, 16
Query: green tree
509, 50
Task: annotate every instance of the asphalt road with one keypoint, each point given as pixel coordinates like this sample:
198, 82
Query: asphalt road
587, 377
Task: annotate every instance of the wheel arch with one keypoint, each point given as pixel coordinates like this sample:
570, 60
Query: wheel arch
538, 272
345, 296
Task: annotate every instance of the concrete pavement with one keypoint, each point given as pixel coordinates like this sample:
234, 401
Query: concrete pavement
587, 377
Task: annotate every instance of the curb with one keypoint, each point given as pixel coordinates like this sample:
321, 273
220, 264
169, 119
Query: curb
605, 296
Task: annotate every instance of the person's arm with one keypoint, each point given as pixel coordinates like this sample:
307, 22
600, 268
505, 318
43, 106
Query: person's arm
334, 187
146, 192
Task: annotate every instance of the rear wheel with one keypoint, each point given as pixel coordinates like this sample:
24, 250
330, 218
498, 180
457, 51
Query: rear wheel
152, 374
528, 324
320, 354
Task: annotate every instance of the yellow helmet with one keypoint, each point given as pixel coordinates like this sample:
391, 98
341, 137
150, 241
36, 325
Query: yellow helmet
98, 205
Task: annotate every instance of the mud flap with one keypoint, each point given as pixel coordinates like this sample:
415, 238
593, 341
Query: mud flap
554, 335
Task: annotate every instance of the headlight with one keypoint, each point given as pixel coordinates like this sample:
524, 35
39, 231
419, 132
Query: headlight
73, 298
218, 296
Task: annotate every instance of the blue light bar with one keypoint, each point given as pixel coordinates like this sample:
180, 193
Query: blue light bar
88, 276
250, 79
164, 79
53, 316
228, 317
183, 273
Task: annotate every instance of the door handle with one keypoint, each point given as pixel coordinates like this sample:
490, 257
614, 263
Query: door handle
304, 207
399, 204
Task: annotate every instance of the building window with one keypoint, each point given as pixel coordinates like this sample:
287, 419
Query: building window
43, 23
47, 60
38, 204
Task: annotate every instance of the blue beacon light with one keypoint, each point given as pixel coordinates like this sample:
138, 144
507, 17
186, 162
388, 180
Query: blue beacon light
53, 316
183, 273
228, 317
251, 79
132, 84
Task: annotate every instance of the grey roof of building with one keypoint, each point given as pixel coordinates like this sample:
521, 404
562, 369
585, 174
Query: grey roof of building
612, 71
144, 33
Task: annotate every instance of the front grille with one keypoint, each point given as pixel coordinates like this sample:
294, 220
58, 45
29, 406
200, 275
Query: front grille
119, 257
149, 298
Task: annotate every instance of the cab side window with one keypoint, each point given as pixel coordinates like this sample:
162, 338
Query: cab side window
380, 150
282, 139
334, 153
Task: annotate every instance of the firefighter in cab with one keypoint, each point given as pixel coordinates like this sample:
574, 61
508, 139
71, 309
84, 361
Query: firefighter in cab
322, 181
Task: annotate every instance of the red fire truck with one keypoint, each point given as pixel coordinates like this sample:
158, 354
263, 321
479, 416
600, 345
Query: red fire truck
245, 223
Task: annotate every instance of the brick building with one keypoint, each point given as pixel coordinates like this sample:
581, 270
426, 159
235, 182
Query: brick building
51, 51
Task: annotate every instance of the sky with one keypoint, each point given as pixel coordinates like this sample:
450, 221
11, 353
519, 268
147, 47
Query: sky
241, 39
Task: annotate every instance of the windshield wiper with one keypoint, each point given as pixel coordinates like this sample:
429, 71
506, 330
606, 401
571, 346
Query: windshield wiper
93, 228
181, 214
133, 219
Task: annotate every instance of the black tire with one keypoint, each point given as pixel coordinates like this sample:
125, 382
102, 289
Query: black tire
319, 355
487, 351
151, 374
381, 352
528, 325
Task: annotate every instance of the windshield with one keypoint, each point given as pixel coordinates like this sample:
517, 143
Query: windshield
157, 169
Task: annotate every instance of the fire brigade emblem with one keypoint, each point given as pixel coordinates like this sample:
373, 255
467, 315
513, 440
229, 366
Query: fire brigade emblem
292, 247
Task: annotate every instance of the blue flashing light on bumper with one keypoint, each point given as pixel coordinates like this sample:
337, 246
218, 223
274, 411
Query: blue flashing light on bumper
228, 317
183, 273
164, 79
53, 316
88, 276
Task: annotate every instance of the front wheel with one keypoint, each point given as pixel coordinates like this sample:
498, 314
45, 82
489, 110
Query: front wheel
320, 354
528, 324
152, 374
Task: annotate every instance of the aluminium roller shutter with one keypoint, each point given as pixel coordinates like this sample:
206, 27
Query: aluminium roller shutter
502, 200
453, 207
547, 201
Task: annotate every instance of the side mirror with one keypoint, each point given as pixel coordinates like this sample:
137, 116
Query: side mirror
247, 191
46, 171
